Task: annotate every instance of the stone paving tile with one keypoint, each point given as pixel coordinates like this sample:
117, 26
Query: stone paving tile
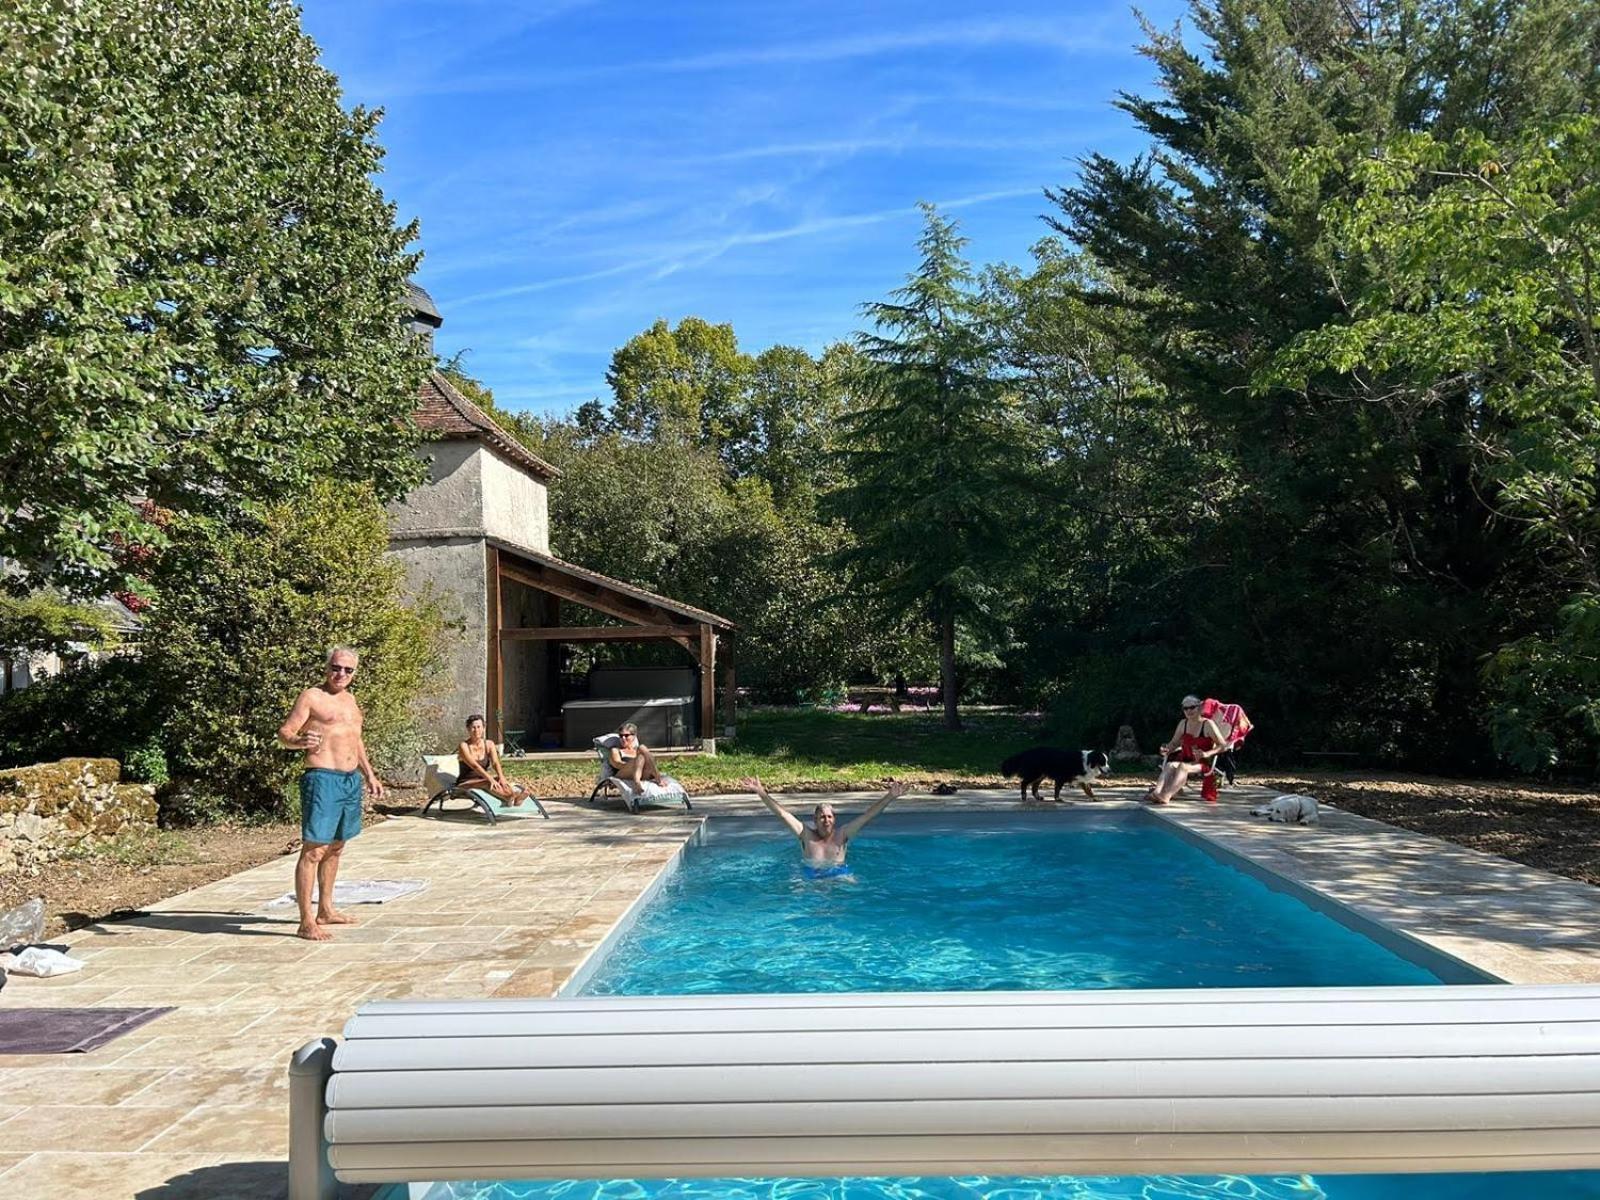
258, 1129
99, 1085
50, 1176
66, 1127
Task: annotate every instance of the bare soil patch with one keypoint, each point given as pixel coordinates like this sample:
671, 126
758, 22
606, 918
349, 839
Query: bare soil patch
1551, 827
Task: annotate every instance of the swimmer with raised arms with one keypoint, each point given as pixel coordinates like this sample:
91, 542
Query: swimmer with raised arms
822, 843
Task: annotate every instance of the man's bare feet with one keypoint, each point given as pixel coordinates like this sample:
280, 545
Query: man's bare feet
335, 918
314, 933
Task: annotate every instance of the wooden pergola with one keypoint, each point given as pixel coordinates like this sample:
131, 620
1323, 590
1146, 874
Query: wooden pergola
647, 617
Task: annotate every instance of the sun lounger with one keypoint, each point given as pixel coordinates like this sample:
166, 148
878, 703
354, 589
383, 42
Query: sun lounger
439, 775
607, 780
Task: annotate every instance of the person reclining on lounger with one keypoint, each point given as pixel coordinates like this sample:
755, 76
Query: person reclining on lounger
636, 766
822, 844
481, 769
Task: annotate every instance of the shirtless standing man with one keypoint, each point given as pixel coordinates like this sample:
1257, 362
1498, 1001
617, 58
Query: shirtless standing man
326, 723
822, 844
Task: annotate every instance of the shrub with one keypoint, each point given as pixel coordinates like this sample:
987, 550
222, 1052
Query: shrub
146, 763
97, 710
244, 619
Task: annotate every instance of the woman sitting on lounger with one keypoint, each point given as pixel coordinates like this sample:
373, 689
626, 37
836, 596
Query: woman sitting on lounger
1190, 754
481, 769
636, 766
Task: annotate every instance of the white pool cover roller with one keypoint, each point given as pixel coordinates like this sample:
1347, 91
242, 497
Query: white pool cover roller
1475, 1078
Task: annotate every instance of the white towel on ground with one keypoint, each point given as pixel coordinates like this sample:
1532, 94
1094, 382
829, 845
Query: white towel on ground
361, 891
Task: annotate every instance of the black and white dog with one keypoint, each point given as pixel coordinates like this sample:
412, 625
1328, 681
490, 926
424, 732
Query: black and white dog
1078, 767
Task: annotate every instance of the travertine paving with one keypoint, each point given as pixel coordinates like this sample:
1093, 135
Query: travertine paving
194, 1104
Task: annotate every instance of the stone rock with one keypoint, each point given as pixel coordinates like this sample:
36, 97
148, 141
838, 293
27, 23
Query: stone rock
29, 827
1127, 747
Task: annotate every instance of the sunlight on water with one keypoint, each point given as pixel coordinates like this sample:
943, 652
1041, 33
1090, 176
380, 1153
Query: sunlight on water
1558, 1185
1110, 905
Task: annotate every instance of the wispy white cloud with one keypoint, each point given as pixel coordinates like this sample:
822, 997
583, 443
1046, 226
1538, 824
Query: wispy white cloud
1060, 37
689, 255
1033, 34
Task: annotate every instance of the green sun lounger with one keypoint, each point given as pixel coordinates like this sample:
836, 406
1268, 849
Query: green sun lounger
439, 775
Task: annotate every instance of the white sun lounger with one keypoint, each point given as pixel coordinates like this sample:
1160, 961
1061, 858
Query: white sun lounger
607, 779
1224, 1081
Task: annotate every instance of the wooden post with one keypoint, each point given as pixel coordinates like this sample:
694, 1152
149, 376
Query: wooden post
493, 692
708, 685
730, 693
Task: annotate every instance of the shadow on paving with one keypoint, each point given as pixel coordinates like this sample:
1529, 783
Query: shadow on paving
196, 922
240, 1181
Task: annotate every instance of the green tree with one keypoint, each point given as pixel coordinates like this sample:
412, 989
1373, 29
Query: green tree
931, 458
44, 621
201, 288
1330, 556
246, 615
683, 384
1469, 268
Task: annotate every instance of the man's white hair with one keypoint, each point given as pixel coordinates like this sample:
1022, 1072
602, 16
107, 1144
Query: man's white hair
336, 650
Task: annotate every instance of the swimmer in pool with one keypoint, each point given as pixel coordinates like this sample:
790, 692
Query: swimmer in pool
822, 844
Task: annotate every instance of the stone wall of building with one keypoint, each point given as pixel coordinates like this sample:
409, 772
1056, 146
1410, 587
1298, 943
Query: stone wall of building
52, 808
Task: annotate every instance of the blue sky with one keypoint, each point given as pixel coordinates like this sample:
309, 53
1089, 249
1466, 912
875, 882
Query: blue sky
581, 169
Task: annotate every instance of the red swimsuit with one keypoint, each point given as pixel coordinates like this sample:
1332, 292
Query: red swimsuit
1190, 750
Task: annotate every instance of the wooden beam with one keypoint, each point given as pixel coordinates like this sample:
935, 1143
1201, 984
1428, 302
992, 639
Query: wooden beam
494, 695
597, 633
708, 682
623, 608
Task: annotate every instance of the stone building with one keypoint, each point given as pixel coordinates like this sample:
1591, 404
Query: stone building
477, 535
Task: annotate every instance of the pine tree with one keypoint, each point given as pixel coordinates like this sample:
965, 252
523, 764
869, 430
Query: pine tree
932, 457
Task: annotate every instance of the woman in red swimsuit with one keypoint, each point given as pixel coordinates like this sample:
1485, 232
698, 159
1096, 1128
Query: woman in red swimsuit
1195, 743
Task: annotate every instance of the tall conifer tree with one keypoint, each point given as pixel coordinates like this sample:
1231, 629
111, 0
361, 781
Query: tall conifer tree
931, 458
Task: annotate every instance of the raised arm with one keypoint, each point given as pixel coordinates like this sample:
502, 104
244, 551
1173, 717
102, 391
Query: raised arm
788, 818
896, 790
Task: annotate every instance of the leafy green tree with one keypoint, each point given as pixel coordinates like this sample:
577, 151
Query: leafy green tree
1331, 558
200, 285
683, 384
44, 621
932, 457
1469, 270
246, 615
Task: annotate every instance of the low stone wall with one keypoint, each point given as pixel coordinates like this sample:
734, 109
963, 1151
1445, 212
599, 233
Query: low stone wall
49, 809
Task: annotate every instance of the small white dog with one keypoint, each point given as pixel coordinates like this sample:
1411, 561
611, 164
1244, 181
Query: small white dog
1291, 810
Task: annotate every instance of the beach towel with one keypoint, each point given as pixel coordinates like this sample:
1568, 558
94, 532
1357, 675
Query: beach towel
1231, 715
68, 1030
361, 891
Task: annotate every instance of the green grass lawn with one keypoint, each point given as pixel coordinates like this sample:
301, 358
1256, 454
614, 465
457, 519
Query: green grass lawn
806, 749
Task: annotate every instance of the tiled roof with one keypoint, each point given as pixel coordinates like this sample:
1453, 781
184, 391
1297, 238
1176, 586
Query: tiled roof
616, 585
446, 413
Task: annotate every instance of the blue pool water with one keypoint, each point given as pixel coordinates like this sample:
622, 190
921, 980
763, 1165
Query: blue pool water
1103, 903
1106, 903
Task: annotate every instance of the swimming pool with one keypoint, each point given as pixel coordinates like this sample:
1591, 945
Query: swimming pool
1114, 900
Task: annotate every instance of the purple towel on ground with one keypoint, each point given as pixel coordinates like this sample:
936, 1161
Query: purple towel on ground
68, 1030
